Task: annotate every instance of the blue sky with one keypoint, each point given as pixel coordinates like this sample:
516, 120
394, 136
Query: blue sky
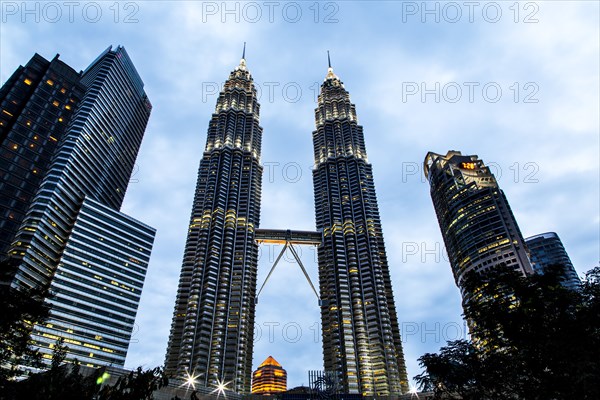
528, 77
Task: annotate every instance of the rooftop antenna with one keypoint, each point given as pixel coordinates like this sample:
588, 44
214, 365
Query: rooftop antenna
244, 52
328, 59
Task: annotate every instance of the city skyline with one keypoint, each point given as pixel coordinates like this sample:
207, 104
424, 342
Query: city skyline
545, 146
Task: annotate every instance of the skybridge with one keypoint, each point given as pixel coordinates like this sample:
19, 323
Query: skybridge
288, 238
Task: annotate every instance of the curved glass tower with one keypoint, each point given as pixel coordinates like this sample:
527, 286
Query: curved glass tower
477, 224
361, 337
547, 249
212, 330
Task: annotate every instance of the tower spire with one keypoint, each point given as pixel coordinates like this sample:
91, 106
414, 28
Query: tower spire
242, 65
330, 74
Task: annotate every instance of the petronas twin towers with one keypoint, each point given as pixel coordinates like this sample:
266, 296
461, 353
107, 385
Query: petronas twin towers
211, 335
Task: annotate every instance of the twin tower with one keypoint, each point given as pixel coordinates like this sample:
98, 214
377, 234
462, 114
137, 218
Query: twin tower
211, 335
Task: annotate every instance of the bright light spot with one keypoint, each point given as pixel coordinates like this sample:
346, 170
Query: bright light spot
413, 391
221, 387
190, 380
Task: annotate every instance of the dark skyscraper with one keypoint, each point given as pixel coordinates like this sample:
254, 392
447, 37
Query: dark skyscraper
36, 105
361, 336
479, 229
547, 249
73, 237
211, 335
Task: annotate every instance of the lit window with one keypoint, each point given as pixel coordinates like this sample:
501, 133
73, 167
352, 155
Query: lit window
27, 81
60, 119
68, 107
63, 90
50, 82
55, 103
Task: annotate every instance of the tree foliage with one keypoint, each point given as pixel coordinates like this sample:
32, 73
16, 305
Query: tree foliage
137, 385
532, 339
21, 309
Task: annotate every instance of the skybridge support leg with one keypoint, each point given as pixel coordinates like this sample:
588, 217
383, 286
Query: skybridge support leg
270, 272
305, 273
288, 244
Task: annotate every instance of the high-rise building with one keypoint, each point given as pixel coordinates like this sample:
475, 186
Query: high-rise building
211, 335
361, 336
73, 238
269, 378
36, 106
547, 249
479, 229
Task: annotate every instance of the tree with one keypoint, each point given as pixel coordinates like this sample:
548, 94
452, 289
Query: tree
137, 385
21, 309
532, 339
63, 381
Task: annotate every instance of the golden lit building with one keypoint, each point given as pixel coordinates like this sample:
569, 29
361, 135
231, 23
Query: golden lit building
269, 378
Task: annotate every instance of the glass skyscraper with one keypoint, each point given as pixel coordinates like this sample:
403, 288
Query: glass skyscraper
36, 105
211, 335
73, 237
479, 229
547, 249
361, 336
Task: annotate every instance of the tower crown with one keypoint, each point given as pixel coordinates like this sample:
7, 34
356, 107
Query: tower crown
270, 361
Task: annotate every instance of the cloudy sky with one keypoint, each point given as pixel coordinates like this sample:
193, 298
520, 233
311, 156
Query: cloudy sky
515, 83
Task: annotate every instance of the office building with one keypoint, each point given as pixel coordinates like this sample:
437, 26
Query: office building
36, 106
478, 227
361, 336
73, 239
211, 336
547, 249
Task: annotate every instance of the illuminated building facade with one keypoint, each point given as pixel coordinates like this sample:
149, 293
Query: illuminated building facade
211, 336
361, 336
479, 229
269, 378
547, 249
73, 237
36, 106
